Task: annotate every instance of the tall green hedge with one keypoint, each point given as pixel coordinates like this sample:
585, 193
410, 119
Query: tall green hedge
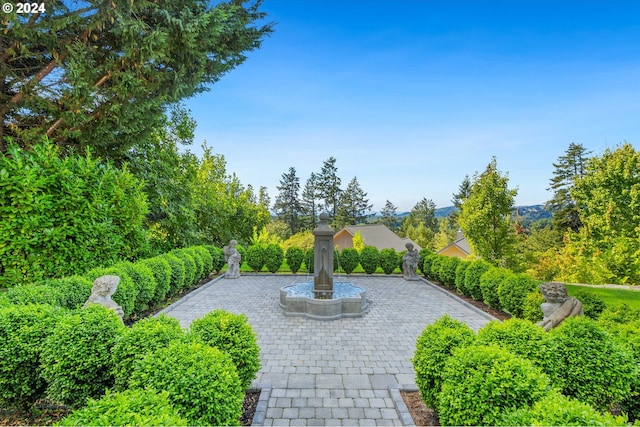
349, 259
61, 216
273, 257
388, 260
369, 259
295, 258
255, 257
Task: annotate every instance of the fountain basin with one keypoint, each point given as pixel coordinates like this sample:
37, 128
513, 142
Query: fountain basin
347, 300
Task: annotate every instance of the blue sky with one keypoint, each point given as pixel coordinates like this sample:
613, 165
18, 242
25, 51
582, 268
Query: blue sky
411, 96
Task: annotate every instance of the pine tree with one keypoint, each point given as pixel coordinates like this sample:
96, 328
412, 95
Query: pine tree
353, 206
329, 186
458, 198
388, 216
310, 204
287, 205
563, 207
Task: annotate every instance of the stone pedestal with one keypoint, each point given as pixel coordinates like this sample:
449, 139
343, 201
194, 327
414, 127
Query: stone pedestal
323, 259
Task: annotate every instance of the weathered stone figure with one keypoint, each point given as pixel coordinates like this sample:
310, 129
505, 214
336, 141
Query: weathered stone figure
233, 258
410, 263
558, 306
103, 288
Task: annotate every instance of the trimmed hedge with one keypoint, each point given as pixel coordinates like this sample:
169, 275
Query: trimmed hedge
126, 293
127, 408
513, 291
178, 273
201, 381
294, 257
349, 259
31, 294
23, 332
76, 357
207, 260
273, 257
144, 282
532, 306
388, 260
472, 279
490, 282
461, 270
255, 257
217, 257
433, 347
161, 270
448, 266
369, 259
480, 383
308, 260
232, 334
73, 291
190, 268
434, 269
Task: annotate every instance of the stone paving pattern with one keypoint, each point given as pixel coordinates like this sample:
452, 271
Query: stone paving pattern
336, 372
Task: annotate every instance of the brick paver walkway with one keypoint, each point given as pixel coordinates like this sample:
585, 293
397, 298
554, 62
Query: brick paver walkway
335, 372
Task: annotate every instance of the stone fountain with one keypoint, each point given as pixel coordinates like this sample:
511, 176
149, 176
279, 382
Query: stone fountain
323, 299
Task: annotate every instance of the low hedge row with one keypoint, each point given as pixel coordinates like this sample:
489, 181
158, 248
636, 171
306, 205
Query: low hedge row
155, 369
507, 372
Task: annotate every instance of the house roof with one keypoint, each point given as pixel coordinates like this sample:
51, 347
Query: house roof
460, 242
380, 236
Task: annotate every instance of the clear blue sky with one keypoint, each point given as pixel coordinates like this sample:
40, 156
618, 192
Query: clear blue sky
411, 96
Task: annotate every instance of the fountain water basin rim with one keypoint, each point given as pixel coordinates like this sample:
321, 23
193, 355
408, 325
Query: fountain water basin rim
347, 300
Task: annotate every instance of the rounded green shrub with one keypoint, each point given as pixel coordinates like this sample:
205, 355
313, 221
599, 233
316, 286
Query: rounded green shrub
448, 267
349, 259
592, 305
513, 290
434, 269
255, 257
472, 279
273, 257
531, 308
388, 260
628, 336
594, 368
232, 334
76, 357
145, 336
308, 260
73, 290
33, 294
178, 273
295, 257
201, 381
425, 267
558, 410
190, 269
461, 270
199, 262
23, 331
207, 260
126, 293
480, 383
127, 408
423, 254
490, 282
369, 259
144, 282
621, 313
161, 270
217, 257
433, 347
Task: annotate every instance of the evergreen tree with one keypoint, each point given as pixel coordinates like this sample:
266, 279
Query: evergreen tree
485, 216
310, 204
458, 198
353, 206
421, 224
570, 167
388, 216
329, 186
287, 205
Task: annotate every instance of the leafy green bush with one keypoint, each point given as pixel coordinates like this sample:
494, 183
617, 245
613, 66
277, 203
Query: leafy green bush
255, 257
308, 260
628, 336
232, 334
76, 357
126, 293
32, 294
207, 260
273, 257
513, 290
558, 410
128, 408
295, 257
217, 255
594, 368
62, 215
434, 270
145, 336
423, 254
161, 270
433, 347
369, 259
425, 267
472, 279
23, 331
592, 305
190, 269
461, 270
480, 383
201, 381
178, 273
448, 266
73, 290
199, 262
388, 260
144, 282
349, 259
531, 308
619, 314
490, 284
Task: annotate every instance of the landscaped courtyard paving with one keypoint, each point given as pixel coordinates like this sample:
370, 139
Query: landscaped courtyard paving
339, 372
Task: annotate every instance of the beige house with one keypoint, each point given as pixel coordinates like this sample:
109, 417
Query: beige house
377, 235
459, 248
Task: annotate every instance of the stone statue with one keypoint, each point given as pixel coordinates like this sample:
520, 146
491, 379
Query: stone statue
558, 306
103, 288
410, 263
232, 257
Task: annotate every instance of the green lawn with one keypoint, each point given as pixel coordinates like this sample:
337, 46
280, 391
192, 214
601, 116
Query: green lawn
610, 296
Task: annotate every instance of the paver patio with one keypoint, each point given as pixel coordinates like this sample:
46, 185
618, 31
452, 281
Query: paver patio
335, 372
